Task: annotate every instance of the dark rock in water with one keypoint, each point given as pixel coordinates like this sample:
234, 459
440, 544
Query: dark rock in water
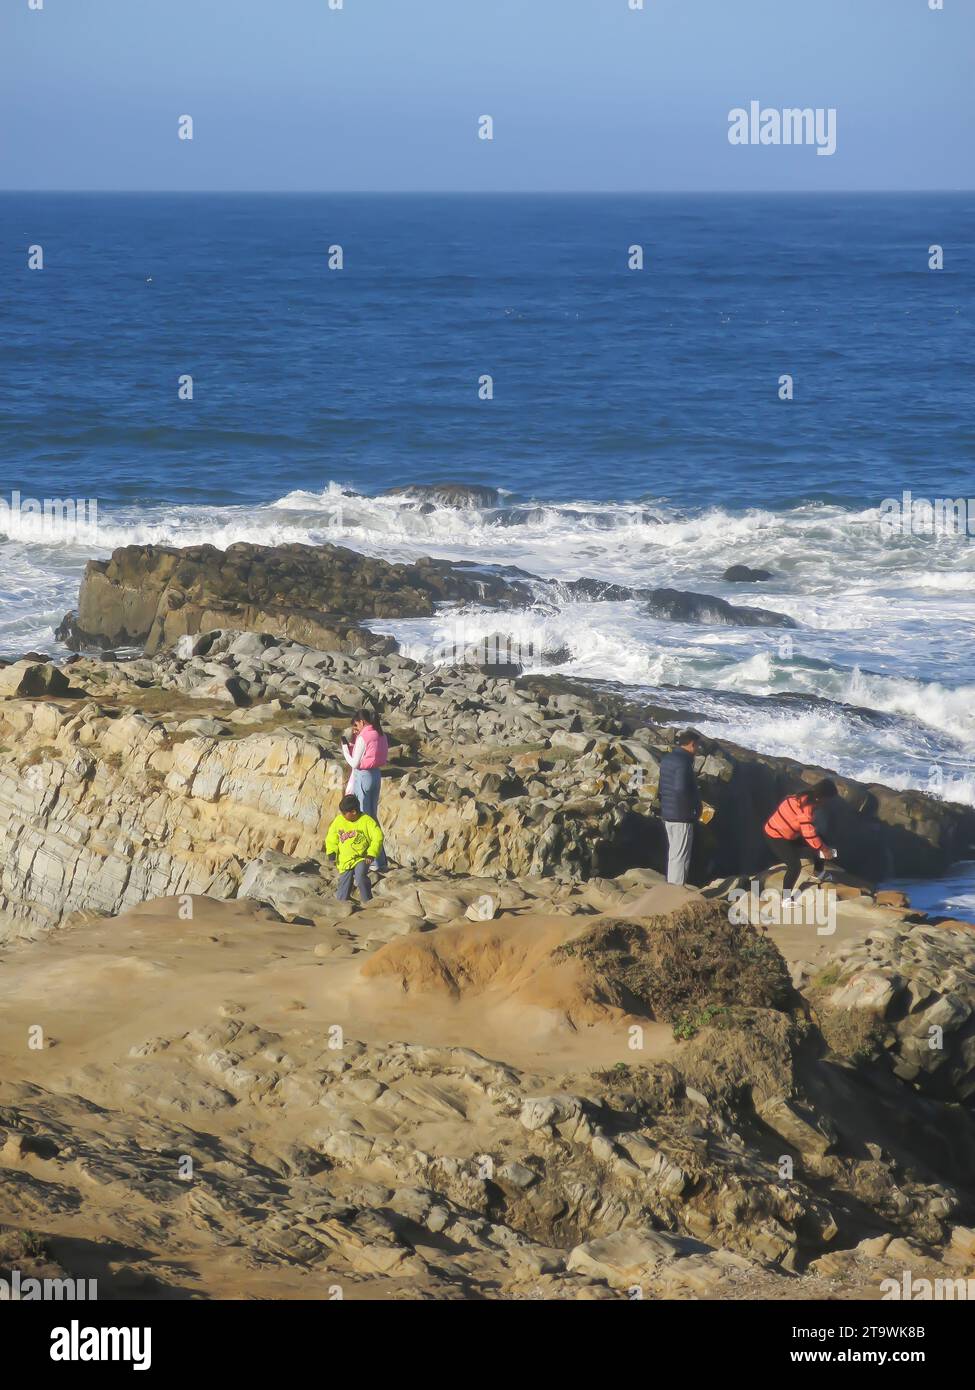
556, 656
535, 516
600, 591
497, 654
153, 595
500, 571
464, 496
68, 632
517, 516
741, 574
678, 606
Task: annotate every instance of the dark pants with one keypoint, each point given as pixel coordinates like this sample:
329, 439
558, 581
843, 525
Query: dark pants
791, 854
359, 875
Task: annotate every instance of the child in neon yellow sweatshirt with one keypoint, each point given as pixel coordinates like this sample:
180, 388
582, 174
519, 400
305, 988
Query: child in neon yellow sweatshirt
353, 841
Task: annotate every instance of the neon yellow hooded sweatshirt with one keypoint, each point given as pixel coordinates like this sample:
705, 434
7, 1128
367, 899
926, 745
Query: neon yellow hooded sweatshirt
351, 841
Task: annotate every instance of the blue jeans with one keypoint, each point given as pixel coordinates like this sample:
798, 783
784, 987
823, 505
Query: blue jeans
359, 875
366, 783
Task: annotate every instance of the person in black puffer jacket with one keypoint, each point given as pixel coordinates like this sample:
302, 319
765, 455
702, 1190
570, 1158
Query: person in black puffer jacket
680, 803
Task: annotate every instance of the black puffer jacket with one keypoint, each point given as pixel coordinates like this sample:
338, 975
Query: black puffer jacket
680, 799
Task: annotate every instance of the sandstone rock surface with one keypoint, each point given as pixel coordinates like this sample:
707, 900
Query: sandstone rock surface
245, 1117
177, 771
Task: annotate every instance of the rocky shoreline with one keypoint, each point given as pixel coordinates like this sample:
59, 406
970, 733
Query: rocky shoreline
554, 1075
150, 596
169, 774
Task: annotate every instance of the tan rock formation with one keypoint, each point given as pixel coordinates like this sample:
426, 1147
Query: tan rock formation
153, 595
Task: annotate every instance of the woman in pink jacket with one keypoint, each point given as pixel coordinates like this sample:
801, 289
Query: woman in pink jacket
366, 757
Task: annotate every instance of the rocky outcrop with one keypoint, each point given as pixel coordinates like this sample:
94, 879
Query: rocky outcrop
170, 774
762, 1134
103, 806
679, 606
152, 595
875, 829
879, 832
909, 990
754, 1127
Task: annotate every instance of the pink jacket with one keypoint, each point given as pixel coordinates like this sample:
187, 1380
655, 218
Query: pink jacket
376, 750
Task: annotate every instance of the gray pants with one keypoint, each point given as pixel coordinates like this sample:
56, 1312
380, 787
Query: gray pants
680, 839
359, 875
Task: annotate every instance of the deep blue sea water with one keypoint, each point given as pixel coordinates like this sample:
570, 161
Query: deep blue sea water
636, 431
611, 384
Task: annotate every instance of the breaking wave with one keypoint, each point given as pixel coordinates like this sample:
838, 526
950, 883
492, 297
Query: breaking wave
877, 680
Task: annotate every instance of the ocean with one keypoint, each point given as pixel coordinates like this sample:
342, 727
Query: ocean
636, 432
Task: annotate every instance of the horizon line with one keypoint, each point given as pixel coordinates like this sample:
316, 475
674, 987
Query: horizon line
488, 193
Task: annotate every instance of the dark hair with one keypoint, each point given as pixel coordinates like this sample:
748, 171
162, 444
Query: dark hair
367, 717
349, 803
689, 736
823, 790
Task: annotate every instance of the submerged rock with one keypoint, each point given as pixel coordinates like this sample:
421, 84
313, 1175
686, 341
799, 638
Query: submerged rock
465, 496
679, 606
742, 574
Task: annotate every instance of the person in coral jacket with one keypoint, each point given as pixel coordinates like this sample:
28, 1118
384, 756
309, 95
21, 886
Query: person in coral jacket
792, 826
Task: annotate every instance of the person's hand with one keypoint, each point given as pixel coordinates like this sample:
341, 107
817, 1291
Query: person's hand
366, 860
828, 853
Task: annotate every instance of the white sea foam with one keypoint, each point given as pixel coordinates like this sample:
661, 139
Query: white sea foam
884, 622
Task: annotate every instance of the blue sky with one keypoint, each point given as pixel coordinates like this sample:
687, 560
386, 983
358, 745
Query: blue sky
385, 94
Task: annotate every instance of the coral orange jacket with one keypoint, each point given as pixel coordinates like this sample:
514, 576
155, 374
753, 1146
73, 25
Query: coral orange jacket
793, 821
